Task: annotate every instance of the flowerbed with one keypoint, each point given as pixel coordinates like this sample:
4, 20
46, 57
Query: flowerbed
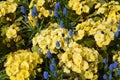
59, 40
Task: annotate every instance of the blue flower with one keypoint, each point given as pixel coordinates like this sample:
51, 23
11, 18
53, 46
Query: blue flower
110, 77
57, 6
25, 18
45, 74
118, 72
49, 54
115, 64
57, 44
53, 61
104, 76
111, 23
54, 73
117, 34
50, 11
64, 11
119, 21
56, 14
105, 60
34, 11
52, 68
71, 24
23, 10
71, 32
119, 27
61, 24
111, 67
67, 39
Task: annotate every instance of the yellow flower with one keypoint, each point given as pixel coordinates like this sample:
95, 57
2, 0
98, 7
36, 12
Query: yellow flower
81, 34
24, 65
76, 68
88, 75
101, 10
85, 9
99, 37
76, 6
66, 70
11, 33
40, 2
64, 57
97, 5
25, 73
46, 13
90, 57
77, 58
12, 78
20, 76
84, 65
12, 8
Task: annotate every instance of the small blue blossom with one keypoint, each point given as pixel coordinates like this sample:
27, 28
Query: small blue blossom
23, 10
57, 6
119, 27
71, 32
111, 23
119, 21
117, 34
53, 61
25, 18
105, 60
56, 14
49, 54
110, 77
57, 44
118, 72
71, 24
50, 11
34, 11
67, 39
54, 73
45, 74
61, 24
111, 67
52, 68
104, 76
115, 64
64, 11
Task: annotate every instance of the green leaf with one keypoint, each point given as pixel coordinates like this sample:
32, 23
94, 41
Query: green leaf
35, 49
19, 19
3, 75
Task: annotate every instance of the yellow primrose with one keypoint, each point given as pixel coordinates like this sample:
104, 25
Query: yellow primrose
11, 33
40, 2
85, 8
88, 75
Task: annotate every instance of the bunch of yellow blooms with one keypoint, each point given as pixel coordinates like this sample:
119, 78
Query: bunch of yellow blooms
20, 65
80, 59
40, 11
47, 38
7, 7
81, 6
10, 33
102, 29
116, 57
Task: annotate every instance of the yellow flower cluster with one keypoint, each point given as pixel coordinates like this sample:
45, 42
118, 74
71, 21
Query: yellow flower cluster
81, 6
40, 10
116, 57
47, 38
103, 28
73, 57
80, 60
20, 65
7, 7
10, 33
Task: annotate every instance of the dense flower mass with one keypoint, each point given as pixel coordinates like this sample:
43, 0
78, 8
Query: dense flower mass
20, 65
60, 39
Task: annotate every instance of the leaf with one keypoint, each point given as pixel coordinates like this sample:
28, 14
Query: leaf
19, 19
3, 75
35, 49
